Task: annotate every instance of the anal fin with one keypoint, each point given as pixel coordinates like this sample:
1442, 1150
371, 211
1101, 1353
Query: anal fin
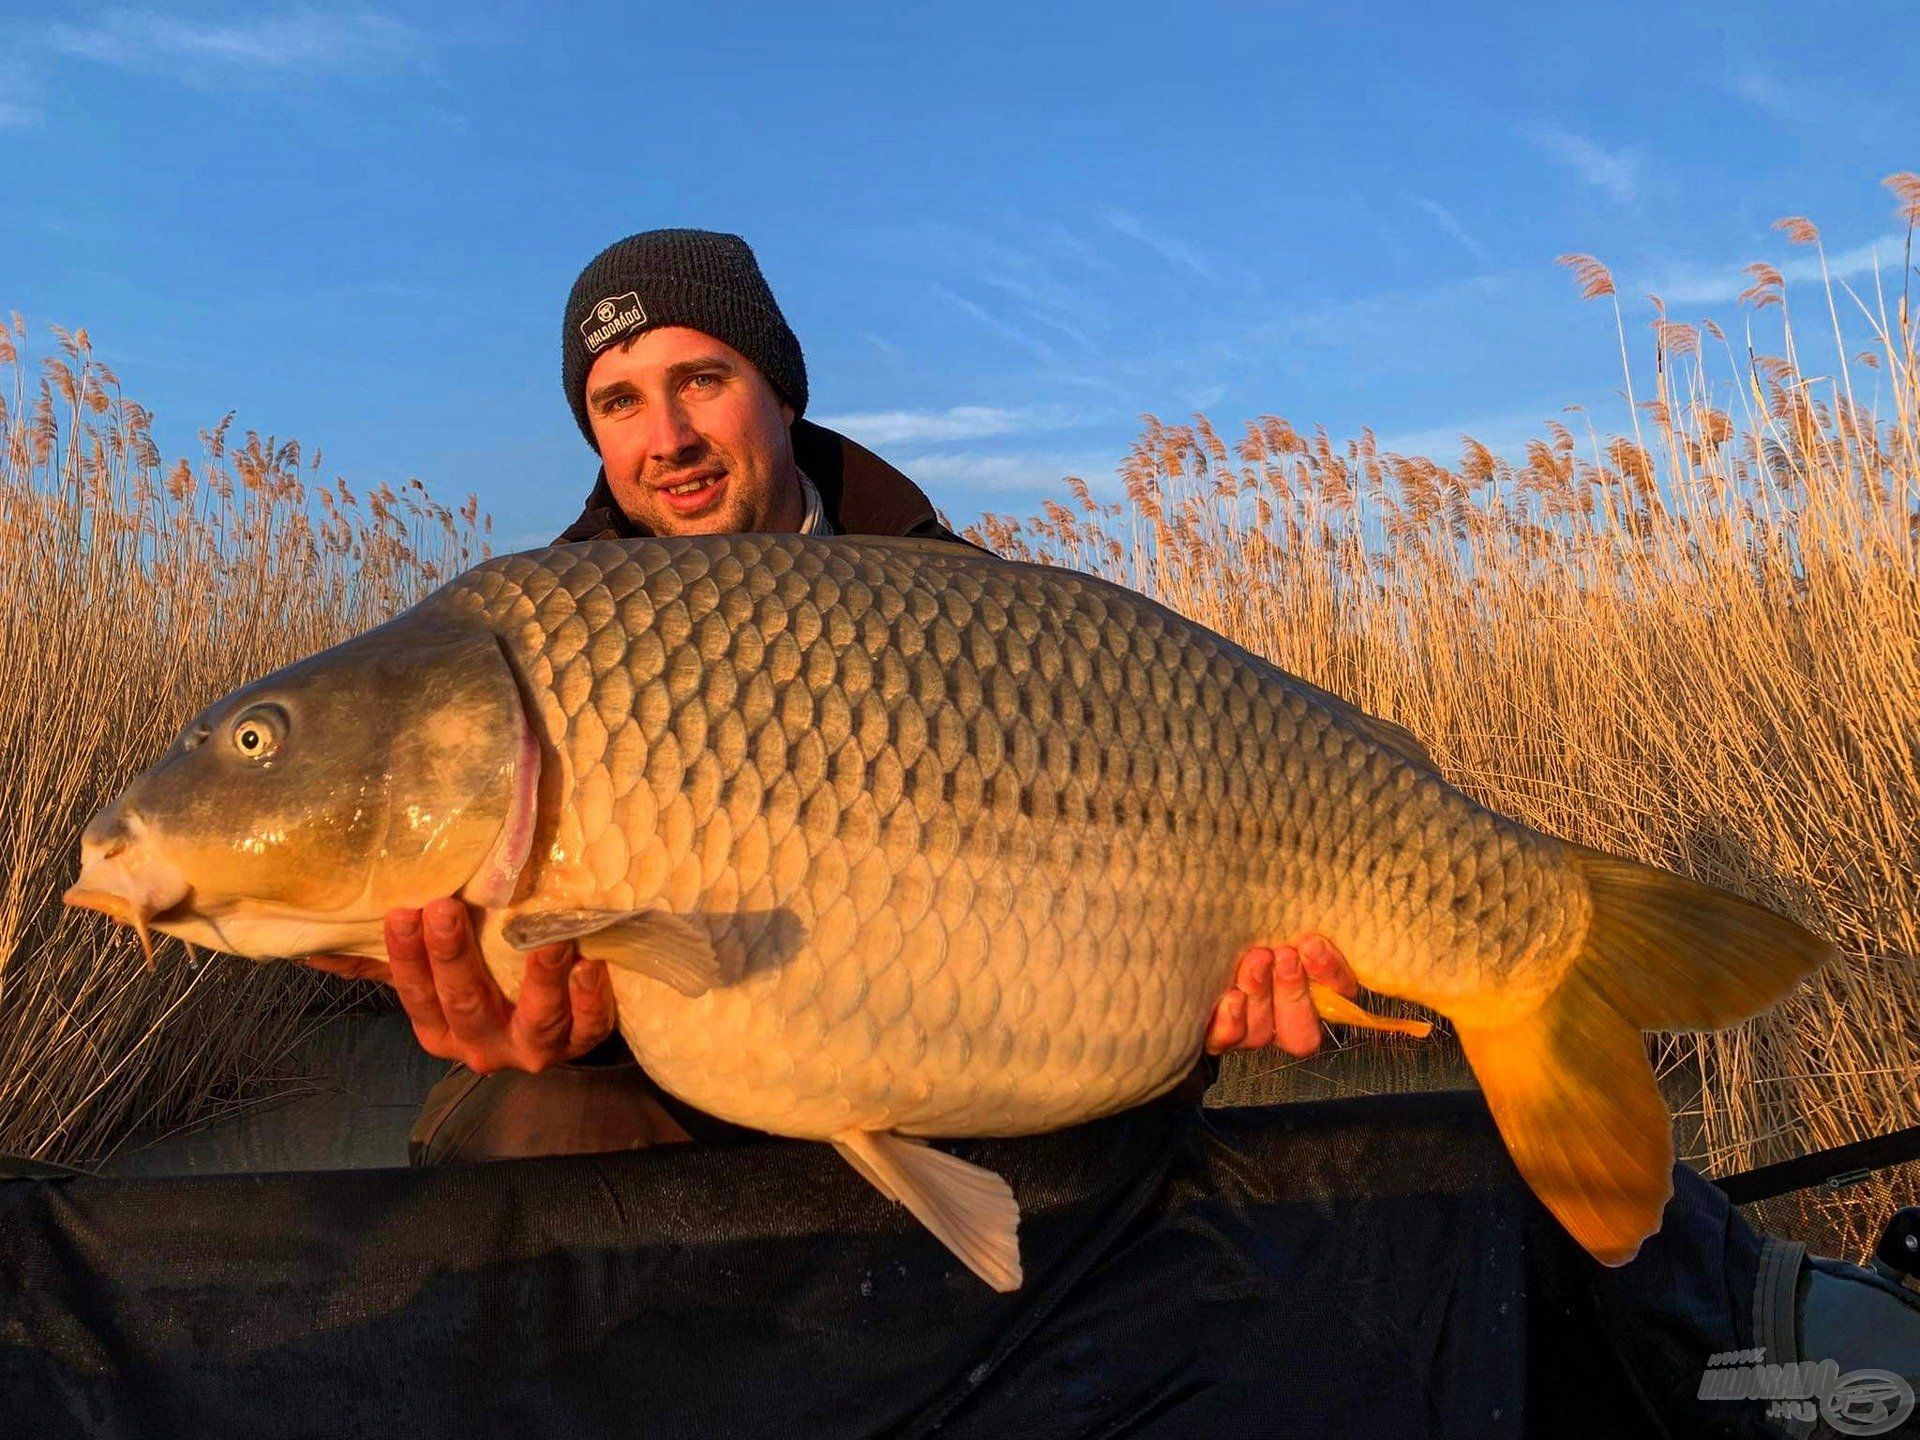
969, 1209
654, 943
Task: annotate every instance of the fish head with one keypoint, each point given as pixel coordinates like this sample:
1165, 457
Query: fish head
289, 816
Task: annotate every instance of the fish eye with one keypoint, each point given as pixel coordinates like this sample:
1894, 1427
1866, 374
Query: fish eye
257, 733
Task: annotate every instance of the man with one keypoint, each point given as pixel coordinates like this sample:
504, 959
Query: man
684, 376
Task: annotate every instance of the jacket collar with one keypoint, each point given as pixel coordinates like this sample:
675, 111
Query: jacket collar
860, 493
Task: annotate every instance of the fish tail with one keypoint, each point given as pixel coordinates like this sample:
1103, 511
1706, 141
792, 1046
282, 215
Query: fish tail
1570, 1085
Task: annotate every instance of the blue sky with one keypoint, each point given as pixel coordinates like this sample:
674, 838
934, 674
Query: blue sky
1001, 232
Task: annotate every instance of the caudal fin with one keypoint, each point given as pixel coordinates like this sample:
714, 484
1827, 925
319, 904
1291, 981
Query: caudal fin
1570, 1085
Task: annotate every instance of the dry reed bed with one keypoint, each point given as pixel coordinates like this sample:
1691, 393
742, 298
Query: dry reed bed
1698, 645
135, 593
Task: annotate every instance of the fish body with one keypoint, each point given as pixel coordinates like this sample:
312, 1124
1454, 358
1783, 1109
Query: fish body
977, 843
889, 839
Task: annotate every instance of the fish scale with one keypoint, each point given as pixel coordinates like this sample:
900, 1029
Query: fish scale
1067, 772
887, 838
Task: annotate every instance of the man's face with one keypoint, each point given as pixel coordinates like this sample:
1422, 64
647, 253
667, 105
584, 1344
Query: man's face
694, 439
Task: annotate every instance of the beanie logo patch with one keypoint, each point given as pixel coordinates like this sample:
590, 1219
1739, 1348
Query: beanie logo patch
613, 317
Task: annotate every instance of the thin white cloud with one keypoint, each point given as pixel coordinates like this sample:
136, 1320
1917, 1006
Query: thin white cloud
336, 41
1063, 241
1618, 172
1760, 89
975, 472
1384, 316
1038, 292
1801, 100
1450, 223
1013, 334
1037, 307
1051, 294
1174, 252
19, 95
1718, 285
960, 422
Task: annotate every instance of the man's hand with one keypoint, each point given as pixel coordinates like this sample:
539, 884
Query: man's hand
566, 1003
458, 1011
1269, 1005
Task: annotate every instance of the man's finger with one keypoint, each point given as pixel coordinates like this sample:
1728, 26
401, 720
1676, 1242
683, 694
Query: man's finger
543, 1015
593, 1006
412, 975
1260, 998
1328, 966
352, 967
1244, 977
1229, 1024
1296, 1025
475, 1010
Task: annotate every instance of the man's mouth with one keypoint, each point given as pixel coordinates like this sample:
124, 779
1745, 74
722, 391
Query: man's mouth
694, 493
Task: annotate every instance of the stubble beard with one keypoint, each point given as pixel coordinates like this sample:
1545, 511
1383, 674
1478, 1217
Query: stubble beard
784, 504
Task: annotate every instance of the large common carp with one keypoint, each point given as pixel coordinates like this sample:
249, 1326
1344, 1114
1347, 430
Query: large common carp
887, 838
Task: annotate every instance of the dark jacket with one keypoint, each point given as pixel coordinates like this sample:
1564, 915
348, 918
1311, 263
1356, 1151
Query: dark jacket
605, 1101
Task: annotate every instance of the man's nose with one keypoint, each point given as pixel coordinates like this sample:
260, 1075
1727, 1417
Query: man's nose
671, 434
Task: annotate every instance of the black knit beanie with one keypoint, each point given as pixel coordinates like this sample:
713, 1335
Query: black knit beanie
698, 278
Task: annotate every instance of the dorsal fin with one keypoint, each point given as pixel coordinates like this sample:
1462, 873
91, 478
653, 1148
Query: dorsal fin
1396, 738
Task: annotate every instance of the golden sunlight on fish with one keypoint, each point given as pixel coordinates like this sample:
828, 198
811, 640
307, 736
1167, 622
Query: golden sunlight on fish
887, 839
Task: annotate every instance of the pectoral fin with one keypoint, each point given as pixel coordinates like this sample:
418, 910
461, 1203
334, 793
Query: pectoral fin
970, 1210
653, 943
1337, 1009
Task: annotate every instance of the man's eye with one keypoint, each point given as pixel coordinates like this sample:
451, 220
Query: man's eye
616, 403
706, 379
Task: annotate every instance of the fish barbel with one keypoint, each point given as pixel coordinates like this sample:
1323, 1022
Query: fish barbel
887, 839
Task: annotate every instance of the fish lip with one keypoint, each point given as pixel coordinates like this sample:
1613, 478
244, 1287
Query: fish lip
110, 903
133, 888
140, 885
126, 911
116, 906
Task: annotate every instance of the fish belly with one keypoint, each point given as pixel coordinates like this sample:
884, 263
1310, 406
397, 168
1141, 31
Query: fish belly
977, 842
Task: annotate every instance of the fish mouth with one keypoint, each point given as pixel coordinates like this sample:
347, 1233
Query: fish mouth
135, 889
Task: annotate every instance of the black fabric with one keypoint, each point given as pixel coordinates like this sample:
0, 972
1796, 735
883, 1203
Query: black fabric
702, 279
1356, 1268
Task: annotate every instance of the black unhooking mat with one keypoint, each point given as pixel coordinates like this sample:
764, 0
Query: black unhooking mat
1359, 1268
